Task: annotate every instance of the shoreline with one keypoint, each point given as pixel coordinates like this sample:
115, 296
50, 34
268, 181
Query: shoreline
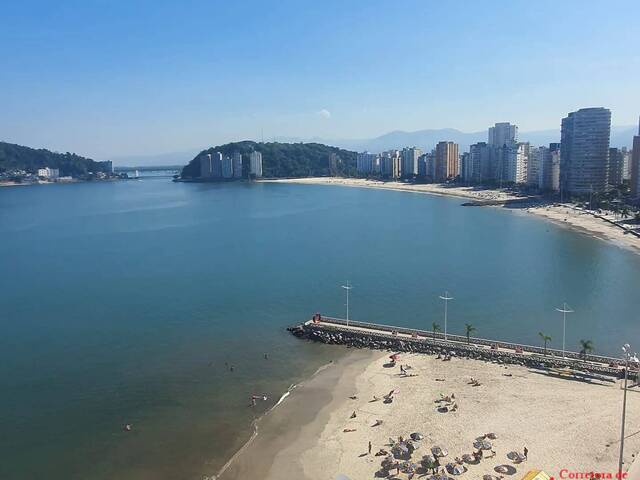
578, 221
564, 423
283, 433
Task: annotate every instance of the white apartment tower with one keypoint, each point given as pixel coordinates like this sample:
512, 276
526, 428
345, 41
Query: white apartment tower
410, 161
584, 152
255, 164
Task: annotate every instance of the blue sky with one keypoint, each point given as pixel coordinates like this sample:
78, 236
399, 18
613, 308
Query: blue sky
110, 78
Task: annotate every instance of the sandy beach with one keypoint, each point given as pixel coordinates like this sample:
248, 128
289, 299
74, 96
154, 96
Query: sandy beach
430, 188
565, 424
580, 221
587, 223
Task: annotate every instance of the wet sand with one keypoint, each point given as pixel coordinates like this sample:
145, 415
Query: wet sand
293, 427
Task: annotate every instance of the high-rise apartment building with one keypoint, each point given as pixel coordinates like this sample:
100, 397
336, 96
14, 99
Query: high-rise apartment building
626, 163
391, 164
635, 166
446, 161
502, 134
426, 165
237, 165
227, 167
480, 162
255, 164
410, 161
466, 170
367, 163
534, 165
516, 160
549, 171
616, 167
584, 152
211, 165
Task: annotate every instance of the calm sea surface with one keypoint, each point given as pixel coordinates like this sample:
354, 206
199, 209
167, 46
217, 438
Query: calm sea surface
121, 302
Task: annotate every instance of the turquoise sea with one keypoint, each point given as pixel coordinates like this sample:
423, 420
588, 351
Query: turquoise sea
128, 302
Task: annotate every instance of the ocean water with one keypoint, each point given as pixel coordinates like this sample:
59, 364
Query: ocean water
127, 302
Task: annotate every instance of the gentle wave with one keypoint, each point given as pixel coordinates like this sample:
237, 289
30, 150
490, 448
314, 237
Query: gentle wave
254, 424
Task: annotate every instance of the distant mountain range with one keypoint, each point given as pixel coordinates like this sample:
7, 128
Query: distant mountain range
621, 136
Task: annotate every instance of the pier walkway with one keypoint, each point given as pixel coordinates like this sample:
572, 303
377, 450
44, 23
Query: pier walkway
363, 334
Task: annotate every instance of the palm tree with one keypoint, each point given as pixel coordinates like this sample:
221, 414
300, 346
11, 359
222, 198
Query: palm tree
469, 328
435, 327
545, 339
587, 346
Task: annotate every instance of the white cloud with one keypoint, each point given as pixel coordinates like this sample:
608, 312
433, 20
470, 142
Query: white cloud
324, 113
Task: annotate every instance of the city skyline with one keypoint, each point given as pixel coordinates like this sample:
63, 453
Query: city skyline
154, 78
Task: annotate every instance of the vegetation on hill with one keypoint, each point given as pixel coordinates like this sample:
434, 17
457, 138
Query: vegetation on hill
284, 159
17, 157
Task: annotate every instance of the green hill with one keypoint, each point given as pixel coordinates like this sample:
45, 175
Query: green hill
284, 159
17, 157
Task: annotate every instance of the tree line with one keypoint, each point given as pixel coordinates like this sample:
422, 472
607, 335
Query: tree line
17, 157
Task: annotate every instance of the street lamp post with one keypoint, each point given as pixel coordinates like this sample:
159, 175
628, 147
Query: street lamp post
446, 299
627, 358
564, 310
347, 287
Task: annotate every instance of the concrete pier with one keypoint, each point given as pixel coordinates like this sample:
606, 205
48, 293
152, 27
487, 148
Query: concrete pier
388, 337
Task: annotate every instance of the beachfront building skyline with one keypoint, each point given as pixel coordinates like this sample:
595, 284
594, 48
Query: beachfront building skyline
255, 164
446, 161
584, 152
587, 164
503, 133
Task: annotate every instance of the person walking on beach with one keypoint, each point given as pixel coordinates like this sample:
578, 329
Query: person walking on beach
369, 447
526, 453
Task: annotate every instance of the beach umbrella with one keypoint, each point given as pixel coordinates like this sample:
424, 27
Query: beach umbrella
489, 477
442, 477
457, 469
516, 457
491, 435
503, 469
428, 460
408, 467
467, 457
439, 452
400, 449
482, 444
416, 436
